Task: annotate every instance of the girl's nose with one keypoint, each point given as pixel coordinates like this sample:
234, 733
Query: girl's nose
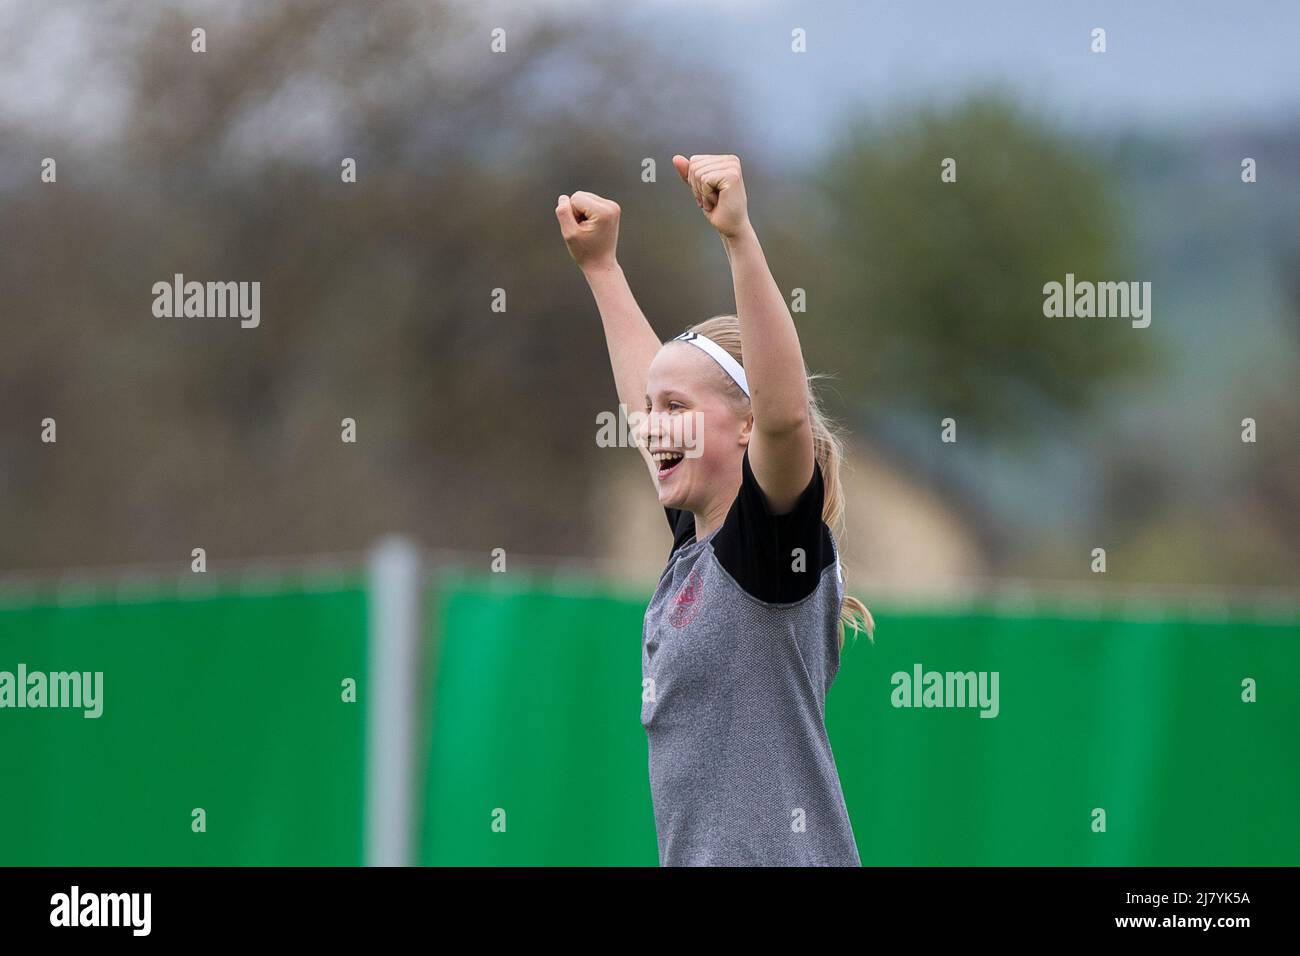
650, 424
642, 430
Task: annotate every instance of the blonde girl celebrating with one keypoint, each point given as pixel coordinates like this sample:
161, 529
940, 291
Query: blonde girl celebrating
742, 638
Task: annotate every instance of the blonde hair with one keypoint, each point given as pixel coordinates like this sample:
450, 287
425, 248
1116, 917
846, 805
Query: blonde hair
828, 449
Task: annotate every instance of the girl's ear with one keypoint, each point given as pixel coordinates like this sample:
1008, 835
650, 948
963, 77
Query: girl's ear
746, 430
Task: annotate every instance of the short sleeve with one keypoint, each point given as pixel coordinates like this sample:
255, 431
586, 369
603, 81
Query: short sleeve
777, 559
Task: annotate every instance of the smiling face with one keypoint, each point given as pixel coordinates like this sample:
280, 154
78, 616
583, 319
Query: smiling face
696, 429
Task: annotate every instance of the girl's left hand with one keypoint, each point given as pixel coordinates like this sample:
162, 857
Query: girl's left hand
719, 190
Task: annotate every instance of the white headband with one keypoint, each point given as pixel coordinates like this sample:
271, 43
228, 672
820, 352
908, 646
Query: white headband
719, 355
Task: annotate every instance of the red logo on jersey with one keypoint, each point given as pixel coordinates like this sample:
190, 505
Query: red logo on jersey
687, 602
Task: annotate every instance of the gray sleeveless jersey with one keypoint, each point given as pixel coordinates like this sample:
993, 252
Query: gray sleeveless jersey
741, 642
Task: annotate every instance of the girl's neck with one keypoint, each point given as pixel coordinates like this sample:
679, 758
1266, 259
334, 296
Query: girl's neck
710, 520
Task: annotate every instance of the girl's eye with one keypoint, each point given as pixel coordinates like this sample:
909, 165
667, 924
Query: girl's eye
673, 406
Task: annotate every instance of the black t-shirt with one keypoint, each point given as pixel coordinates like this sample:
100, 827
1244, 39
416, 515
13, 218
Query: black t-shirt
760, 549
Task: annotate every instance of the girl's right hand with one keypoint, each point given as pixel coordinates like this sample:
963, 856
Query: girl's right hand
589, 225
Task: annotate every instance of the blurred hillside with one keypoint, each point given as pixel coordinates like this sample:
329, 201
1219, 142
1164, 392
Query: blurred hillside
476, 428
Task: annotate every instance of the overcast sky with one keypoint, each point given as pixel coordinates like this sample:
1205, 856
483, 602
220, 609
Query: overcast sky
1170, 63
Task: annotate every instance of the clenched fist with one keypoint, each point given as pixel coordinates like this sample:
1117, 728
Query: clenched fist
719, 190
589, 225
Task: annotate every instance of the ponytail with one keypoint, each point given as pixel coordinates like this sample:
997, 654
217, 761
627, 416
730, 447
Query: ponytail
828, 448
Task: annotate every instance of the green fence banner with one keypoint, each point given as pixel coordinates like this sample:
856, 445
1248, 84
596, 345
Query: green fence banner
535, 724
230, 704
1025, 740
1114, 742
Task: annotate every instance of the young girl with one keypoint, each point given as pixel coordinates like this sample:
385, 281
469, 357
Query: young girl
742, 638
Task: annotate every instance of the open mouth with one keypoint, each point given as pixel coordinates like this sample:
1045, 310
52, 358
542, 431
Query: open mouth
667, 462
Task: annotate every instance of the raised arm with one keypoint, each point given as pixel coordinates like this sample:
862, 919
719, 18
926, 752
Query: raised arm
781, 444
589, 225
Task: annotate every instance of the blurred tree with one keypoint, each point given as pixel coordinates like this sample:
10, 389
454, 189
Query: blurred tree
928, 295
1272, 479
476, 429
